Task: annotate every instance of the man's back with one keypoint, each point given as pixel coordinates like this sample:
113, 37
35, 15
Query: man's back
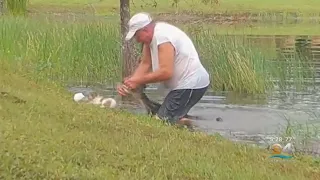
189, 73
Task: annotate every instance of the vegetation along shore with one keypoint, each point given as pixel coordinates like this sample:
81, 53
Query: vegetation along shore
45, 44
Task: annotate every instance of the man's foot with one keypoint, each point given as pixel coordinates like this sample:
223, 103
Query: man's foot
185, 122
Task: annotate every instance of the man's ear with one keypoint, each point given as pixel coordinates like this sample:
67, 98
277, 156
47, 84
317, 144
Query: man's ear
166, 53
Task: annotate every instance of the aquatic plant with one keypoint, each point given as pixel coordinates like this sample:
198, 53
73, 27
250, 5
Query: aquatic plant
65, 52
17, 7
233, 65
89, 51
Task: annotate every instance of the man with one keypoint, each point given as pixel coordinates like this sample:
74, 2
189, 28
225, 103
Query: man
174, 61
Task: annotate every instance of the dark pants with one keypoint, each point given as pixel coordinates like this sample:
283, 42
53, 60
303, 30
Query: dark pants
178, 103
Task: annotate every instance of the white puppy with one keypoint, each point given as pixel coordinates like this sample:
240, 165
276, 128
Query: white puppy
96, 100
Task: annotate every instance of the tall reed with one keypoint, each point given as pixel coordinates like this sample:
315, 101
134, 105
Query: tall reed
233, 65
17, 7
90, 51
66, 52
238, 64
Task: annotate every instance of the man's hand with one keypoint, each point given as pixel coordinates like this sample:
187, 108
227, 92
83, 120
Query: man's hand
122, 90
133, 82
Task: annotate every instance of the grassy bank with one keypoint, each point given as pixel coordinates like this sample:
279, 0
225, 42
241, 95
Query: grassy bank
50, 137
262, 8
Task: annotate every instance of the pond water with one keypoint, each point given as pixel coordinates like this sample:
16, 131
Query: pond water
259, 120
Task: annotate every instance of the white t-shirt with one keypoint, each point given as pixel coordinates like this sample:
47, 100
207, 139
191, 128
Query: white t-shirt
189, 72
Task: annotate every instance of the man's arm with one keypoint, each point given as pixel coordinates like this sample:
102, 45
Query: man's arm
166, 61
145, 63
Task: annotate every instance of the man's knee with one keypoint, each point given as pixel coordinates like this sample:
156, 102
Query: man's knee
197, 95
171, 112
166, 115
178, 103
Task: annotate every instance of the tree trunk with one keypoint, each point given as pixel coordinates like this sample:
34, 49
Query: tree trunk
1, 7
129, 57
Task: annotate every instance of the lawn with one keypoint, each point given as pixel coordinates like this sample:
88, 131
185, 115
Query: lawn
303, 8
51, 137
284, 12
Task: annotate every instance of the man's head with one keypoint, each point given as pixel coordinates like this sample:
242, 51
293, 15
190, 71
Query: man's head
140, 27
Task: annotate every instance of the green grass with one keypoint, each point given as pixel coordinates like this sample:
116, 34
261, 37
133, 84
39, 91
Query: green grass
16, 7
89, 51
307, 28
75, 51
303, 8
267, 12
232, 65
50, 137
